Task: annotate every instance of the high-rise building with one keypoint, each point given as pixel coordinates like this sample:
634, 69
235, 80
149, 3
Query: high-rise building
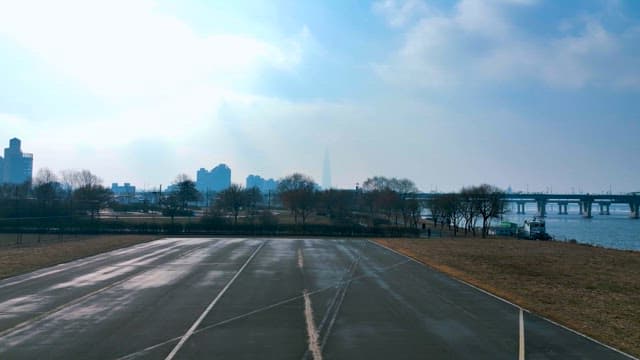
218, 179
17, 166
265, 185
124, 194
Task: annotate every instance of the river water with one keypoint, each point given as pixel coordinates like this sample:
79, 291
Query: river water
615, 231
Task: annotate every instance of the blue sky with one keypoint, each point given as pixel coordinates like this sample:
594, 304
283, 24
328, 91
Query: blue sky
522, 93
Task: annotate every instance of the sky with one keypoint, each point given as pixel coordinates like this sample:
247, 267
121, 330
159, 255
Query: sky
529, 94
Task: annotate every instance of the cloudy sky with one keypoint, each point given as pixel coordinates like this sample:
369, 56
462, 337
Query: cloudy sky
523, 93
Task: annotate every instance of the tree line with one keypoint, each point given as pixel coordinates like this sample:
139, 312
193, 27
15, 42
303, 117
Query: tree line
463, 210
380, 201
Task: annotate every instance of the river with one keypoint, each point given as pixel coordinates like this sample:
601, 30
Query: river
615, 231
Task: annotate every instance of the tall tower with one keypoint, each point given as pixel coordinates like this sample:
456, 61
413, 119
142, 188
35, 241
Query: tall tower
18, 166
326, 171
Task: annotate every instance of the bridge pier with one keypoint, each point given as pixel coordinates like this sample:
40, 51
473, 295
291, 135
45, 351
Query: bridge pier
542, 208
604, 208
586, 205
520, 206
562, 208
635, 210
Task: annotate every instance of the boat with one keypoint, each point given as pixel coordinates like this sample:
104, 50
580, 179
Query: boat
535, 229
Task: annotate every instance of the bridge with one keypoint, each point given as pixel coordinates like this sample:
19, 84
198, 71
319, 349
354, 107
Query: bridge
585, 202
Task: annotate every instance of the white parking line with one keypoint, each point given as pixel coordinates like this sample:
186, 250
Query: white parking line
312, 331
195, 325
509, 302
521, 347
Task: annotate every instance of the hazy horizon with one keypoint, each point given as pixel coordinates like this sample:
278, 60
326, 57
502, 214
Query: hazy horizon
535, 95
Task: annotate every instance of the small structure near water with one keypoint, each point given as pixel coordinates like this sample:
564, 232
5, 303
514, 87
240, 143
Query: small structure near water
535, 229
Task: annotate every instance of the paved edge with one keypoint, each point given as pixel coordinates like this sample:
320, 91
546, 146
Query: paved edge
507, 301
67, 261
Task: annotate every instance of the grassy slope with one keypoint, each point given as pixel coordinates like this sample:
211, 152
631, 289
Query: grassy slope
14, 261
593, 290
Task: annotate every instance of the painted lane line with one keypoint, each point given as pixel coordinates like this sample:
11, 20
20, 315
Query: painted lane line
343, 293
337, 298
312, 331
521, 347
259, 310
63, 306
300, 259
44, 314
193, 327
509, 302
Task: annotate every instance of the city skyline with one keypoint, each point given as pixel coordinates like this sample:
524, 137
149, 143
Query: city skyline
527, 94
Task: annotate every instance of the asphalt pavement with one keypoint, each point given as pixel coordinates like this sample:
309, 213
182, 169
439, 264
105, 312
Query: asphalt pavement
233, 298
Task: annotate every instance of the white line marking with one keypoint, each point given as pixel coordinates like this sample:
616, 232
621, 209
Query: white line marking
63, 306
265, 308
300, 259
193, 327
521, 347
312, 331
510, 303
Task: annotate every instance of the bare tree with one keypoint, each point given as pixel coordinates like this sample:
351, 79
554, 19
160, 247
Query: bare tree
453, 210
232, 199
491, 205
185, 191
469, 203
46, 187
253, 196
297, 192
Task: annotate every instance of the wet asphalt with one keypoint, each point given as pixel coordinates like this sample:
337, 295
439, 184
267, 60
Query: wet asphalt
230, 298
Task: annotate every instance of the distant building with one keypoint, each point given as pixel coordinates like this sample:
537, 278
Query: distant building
218, 179
17, 167
124, 194
265, 185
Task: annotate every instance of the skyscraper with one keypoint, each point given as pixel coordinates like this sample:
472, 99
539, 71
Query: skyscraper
17, 166
219, 178
265, 185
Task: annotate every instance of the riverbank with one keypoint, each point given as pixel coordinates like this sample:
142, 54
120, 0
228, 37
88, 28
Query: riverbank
593, 290
19, 260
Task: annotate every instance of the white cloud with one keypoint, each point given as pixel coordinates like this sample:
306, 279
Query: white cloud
400, 13
122, 49
478, 42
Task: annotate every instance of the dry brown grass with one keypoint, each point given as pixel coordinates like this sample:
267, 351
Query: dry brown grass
14, 261
592, 290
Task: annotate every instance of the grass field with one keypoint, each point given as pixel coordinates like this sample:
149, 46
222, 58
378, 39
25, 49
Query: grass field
593, 290
18, 260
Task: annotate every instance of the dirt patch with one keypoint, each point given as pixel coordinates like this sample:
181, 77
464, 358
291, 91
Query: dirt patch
592, 290
18, 260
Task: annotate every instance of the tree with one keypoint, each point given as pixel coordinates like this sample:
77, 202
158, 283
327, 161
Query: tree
232, 199
185, 191
253, 196
491, 205
297, 192
392, 197
453, 211
337, 204
469, 204
47, 191
90, 195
